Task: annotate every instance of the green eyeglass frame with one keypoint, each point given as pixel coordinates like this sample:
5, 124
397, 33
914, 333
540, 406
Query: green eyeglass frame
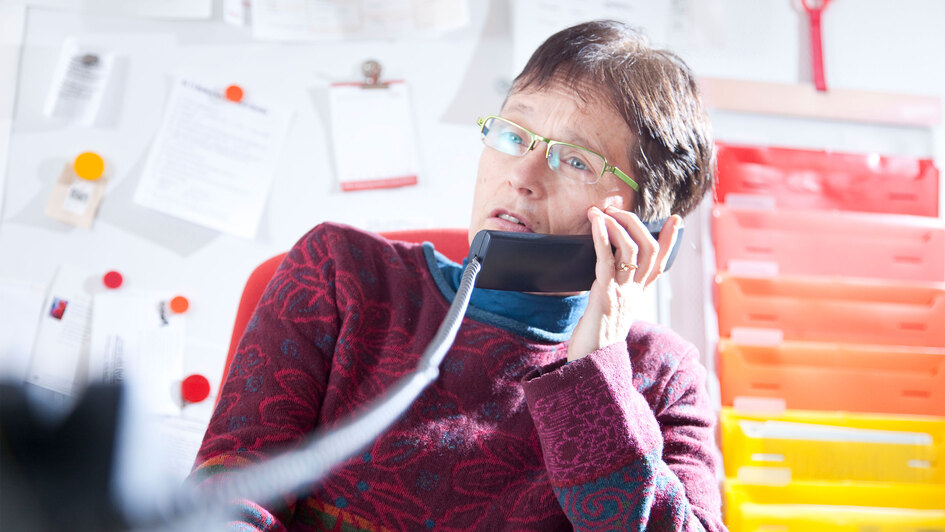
536, 138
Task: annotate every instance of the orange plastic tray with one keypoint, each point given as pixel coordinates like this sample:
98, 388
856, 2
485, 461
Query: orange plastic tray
833, 310
818, 179
823, 376
910, 248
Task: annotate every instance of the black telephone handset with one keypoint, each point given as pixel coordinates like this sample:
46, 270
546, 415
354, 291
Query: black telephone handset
533, 262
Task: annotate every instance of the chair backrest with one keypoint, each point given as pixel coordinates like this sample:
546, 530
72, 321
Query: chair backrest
452, 242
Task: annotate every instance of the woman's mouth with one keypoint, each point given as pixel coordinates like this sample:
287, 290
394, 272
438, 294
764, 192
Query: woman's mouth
509, 222
510, 218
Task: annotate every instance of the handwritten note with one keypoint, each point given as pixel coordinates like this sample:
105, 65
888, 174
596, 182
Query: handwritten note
213, 160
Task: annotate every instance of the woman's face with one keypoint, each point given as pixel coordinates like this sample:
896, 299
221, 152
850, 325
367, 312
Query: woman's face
524, 194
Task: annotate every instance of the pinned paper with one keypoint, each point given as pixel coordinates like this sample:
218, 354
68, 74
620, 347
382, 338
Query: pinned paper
134, 341
308, 20
213, 160
62, 342
379, 117
78, 191
236, 12
20, 315
79, 82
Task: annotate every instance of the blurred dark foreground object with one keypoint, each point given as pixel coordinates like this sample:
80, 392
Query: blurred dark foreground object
56, 475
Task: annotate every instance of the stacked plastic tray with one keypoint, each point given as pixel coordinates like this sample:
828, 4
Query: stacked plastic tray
830, 296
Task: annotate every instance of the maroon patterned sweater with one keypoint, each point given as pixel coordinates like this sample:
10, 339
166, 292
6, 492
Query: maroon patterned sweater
507, 438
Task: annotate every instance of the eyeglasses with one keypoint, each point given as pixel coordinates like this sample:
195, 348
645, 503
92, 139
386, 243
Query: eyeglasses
574, 162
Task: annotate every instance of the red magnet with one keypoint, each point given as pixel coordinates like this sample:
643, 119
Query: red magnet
179, 305
195, 388
112, 279
234, 93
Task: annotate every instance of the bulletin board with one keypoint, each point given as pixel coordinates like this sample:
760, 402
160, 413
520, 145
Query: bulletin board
454, 78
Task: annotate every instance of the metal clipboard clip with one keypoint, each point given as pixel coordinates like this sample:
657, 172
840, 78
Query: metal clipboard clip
371, 69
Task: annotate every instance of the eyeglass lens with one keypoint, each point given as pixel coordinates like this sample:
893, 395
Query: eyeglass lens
573, 162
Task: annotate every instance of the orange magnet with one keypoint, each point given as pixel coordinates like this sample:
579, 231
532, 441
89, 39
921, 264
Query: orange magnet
234, 93
89, 165
112, 279
195, 388
180, 305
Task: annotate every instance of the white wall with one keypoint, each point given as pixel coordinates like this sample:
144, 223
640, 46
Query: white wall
869, 45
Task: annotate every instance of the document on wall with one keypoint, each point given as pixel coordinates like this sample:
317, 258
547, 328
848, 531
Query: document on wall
79, 82
180, 9
307, 20
21, 306
536, 20
213, 159
379, 118
138, 340
12, 20
60, 353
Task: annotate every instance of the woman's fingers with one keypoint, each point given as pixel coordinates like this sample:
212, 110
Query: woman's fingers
635, 243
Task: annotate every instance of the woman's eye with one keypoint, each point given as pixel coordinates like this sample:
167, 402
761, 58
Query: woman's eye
577, 164
511, 138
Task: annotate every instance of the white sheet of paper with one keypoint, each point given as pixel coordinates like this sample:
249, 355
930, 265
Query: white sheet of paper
213, 160
60, 352
236, 12
154, 456
381, 119
536, 20
79, 82
307, 20
190, 9
20, 311
12, 19
136, 339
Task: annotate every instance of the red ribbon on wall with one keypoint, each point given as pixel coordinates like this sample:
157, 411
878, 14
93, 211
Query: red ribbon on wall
814, 10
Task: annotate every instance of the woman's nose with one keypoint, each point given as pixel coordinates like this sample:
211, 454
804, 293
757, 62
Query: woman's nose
530, 173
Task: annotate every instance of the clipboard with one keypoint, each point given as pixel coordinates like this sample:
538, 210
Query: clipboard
373, 138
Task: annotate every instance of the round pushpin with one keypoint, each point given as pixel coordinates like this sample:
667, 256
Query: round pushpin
112, 279
195, 388
180, 304
89, 166
234, 93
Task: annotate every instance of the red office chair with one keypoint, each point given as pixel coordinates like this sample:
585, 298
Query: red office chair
451, 242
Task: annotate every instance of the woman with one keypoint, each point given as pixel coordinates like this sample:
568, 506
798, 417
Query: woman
550, 412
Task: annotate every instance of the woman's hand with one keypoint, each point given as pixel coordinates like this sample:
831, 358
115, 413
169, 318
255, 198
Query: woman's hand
621, 276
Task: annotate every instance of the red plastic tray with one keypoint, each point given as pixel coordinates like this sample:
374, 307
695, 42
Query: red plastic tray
819, 179
910, 248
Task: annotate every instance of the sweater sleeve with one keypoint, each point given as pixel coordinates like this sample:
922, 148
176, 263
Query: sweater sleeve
618, 461
277, 378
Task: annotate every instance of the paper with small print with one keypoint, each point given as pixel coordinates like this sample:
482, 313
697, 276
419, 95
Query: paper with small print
213, 160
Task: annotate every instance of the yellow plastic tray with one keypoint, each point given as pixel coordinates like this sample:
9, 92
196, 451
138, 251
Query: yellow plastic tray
834, 506
834, 446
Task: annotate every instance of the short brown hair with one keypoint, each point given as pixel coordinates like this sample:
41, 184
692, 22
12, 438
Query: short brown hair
656, 94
